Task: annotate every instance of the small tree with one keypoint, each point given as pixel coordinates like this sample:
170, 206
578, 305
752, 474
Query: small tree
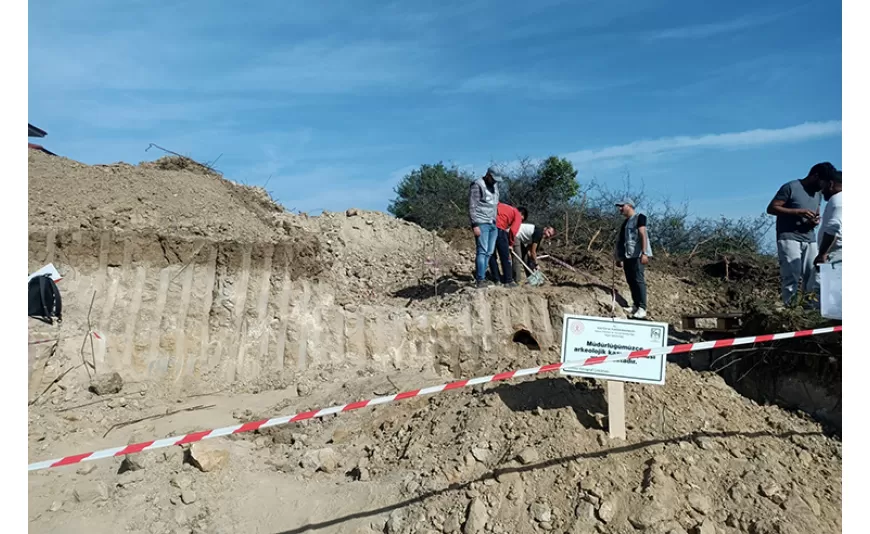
433, 196
547, 188
558, 180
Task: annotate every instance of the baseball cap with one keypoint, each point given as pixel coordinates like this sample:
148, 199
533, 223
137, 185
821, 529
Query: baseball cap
625, 201
497, 176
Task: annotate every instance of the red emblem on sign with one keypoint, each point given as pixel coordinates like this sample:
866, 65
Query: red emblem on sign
577, 328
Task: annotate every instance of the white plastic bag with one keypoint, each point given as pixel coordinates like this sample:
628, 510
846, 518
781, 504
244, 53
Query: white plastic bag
831, 282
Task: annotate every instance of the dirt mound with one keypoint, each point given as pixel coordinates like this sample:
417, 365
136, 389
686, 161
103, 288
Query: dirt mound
377, 258
166, 196
526, 456
533, 457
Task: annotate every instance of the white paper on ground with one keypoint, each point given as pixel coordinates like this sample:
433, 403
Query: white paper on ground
48, 269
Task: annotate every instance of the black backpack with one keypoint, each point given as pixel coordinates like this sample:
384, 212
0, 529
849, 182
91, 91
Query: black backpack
43, 299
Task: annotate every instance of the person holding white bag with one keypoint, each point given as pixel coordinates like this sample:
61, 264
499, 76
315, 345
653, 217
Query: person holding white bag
829, 260
831, 231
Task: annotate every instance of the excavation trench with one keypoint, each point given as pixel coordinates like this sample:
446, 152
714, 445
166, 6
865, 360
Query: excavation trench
204, 315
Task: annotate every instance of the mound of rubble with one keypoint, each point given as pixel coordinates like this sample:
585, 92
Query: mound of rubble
529, 456
166, 196
377, 258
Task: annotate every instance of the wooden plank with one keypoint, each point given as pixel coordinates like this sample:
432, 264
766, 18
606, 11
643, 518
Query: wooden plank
616, 409
722, 322
714, 315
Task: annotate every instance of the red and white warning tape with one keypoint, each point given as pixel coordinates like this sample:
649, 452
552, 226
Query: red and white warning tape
265, 423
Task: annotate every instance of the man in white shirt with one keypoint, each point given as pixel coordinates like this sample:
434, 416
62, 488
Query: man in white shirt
527, 241
831, 231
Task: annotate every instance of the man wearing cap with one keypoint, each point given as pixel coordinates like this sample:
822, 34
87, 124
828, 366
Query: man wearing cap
831, 230
632, 253
526, 245
482, 211
796, 207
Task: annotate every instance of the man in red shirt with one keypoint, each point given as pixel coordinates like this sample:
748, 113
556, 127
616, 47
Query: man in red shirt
507, 221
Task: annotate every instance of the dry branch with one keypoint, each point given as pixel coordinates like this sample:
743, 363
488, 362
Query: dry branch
158, 416
594, 237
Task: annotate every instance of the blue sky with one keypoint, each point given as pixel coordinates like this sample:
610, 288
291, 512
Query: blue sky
712, 103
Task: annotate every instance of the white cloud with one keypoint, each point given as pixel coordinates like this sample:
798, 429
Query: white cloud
530, 84
703, 31
736, 140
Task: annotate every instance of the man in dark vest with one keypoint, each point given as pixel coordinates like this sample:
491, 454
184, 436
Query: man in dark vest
632, 253
482, 212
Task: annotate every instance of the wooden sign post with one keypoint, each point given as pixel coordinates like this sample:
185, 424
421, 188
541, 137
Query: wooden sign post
616, 409
584, 337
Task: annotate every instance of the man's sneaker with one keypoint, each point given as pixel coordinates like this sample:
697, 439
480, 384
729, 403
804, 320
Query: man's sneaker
482, 284
630, 311
639, 314
511, 284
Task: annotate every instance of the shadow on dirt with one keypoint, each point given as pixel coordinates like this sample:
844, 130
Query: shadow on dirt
620, 300
445, 286
586, 399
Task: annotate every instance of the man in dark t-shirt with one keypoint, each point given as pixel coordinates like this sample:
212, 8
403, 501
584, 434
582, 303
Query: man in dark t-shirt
632, 252
796, 207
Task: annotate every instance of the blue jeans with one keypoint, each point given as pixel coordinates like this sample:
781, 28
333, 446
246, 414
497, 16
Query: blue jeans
485, 248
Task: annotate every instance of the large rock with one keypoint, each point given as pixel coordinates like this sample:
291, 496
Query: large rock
707, 527
528, 455
541, 512
395, 523
135, 462
90, 491
207, 456
607, 510
107, 384
480, 454
320, 460
476, 518
701, 503
453, 523
128, 478
650, 514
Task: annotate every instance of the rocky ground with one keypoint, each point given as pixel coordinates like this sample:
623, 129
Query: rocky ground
532, 455
526, 456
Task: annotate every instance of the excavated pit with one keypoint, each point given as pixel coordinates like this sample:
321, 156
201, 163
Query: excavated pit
218, 308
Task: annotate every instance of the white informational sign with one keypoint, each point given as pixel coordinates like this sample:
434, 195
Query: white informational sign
831, 282
584, 337
48, 269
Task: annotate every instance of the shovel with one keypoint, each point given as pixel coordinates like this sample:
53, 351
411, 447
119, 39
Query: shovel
535, 278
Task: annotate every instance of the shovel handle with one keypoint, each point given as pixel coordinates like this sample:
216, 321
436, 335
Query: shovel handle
517, 256
526, 266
